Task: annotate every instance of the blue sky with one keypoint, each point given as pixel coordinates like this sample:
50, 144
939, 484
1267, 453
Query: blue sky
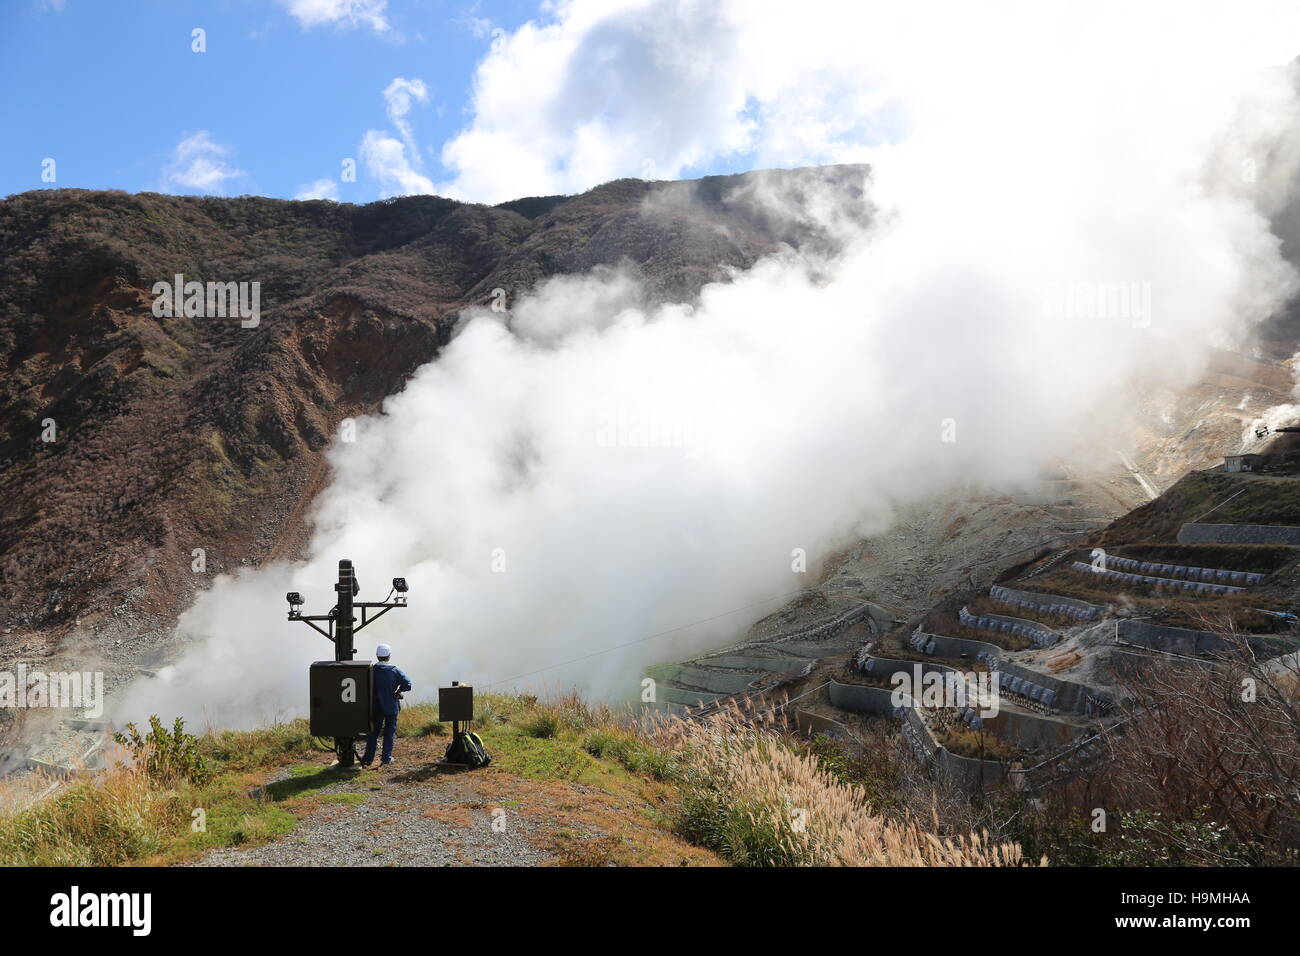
286, 90
490, 100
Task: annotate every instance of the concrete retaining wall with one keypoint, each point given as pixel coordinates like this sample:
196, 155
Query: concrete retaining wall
1183, 571
884, 666
1027, 729
1046, 603
1193, 533
768, 665
966, 771
1052, 692
826, 629
689, 677
861, 699
938, 645
1183, 640
969, 772
1039, 635
1030, 730
1195, 587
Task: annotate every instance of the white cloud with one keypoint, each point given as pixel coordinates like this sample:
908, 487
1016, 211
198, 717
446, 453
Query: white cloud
320, 189
386, 160
348, 13
651, 88
198, 163
398, 96
623, 87
396, 163
478, 26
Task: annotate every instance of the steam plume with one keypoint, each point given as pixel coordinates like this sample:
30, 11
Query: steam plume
1061, 209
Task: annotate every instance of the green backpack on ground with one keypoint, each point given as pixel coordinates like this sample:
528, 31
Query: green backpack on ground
467, 748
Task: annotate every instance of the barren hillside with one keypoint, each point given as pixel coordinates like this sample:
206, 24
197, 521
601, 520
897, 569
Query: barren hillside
176, 434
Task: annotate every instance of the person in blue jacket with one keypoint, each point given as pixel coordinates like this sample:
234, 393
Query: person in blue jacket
389, 684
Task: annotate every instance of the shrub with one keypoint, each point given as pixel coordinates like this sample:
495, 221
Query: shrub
166, 757
542, 725
878, 770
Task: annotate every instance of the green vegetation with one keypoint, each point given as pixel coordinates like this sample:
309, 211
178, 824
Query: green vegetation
544, 726
245, 750
632, 752
170, 795
420, 720
878, 771
173, 795
730, 785
1137, 838
166, 757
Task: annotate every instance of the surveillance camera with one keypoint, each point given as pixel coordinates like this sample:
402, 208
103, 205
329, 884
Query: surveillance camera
294, 598
399, 585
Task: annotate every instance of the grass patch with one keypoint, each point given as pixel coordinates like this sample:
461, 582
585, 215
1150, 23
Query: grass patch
352, 799
543, 726
307, 780
94, 822
269, 747
420, 720
544, 758
632, 753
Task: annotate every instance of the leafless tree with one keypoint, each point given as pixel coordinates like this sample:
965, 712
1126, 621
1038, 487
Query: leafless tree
1219, 737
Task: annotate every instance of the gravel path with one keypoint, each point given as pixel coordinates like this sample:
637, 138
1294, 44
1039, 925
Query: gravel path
423, 816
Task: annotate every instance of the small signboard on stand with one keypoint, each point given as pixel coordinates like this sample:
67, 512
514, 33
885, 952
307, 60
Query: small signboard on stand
456, 704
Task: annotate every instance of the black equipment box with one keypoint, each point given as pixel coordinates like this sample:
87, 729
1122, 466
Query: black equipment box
456, 703
340, 698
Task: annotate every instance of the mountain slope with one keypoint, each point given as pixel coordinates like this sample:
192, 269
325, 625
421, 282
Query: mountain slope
176, 434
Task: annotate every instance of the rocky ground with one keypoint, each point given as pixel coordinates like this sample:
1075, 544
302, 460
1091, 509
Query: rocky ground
445, 820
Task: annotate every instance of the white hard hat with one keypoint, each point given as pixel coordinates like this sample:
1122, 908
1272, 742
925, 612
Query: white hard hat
383, 650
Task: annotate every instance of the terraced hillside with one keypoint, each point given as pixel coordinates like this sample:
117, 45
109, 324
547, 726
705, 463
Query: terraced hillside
1068, 635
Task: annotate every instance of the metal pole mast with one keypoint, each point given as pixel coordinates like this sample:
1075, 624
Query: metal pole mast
346, 588
342, 627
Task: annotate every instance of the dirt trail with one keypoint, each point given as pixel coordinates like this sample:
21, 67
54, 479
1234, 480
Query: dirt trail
421, 812
407, 818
